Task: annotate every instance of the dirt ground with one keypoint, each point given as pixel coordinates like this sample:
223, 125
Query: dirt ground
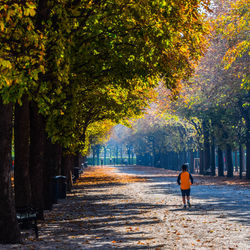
129, 207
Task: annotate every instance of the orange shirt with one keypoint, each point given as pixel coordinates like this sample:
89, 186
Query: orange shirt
185, 180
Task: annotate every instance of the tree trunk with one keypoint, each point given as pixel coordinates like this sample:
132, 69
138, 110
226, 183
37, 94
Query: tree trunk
48, 174
245, 112
110, 156
191, 161
206, 156
9, 230
241, 160
213, 159
248, 160
22, 139
76, 161
129, 160
67, 166
58, 159
185, 156
93, 156
181, 158
220, 163
201, 153
37, 139
98, 155
230, 171
105, 156
176, 162
132, 157
236, 161
121, 155
116, 154
171, 160
206, 165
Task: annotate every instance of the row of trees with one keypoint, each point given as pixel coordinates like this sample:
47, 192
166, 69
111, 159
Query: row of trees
70, 70
115, 151
212, 112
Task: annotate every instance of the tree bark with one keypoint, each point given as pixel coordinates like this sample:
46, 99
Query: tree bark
206, 146
37, 139
236, 161
9, 229
245, 112
116, 155
48, 174
105, 156
21, 171
98, 154
67, 166
230, 170
248, 160
206, 156
129, 160
241, 159
201, 153
220, 162
132, 157
191, 161
93, 156
176, 162
213, 159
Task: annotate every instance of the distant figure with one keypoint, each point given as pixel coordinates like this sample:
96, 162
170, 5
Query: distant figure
101, 161
185, 180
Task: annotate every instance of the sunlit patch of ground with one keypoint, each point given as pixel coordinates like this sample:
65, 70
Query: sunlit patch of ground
130, 207
199, 179
105, 175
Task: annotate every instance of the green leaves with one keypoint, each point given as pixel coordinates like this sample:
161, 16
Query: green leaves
21, 50
95, 62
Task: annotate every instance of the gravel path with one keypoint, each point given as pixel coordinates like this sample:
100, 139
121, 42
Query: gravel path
146, 215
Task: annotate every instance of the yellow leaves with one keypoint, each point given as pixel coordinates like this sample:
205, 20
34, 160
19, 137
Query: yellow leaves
2, 26
5, 63
8, 81
42, 69
236, 51
140, 243
105, 175
30, 11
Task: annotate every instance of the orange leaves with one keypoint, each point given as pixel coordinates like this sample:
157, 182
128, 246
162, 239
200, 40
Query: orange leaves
140, 243
105, 175
132, 229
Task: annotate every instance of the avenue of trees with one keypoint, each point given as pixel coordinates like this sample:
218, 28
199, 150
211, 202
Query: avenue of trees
210, 119
69, 71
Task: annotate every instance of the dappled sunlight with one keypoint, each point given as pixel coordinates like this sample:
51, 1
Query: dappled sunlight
111, 207
105, 175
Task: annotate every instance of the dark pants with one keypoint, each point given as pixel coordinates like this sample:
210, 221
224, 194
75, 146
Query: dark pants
185, 192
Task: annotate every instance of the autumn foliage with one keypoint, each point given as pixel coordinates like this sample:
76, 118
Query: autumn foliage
100, 175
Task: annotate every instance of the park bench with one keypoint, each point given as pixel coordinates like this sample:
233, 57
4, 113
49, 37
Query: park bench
27, 218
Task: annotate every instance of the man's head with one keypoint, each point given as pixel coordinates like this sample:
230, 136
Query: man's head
184, 167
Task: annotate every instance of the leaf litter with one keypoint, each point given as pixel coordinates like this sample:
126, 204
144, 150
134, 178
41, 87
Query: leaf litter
112, 208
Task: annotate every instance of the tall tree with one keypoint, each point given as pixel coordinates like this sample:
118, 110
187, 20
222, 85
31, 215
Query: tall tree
11, 232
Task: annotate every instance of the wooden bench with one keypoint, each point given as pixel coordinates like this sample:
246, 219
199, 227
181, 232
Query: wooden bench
27, 218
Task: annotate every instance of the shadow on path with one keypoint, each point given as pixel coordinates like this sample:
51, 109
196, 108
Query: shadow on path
85, 217
230, 201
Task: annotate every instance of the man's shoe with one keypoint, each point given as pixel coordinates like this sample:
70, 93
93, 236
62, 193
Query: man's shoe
185, 206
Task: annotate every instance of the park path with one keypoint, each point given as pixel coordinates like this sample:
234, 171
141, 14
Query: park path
133, 207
